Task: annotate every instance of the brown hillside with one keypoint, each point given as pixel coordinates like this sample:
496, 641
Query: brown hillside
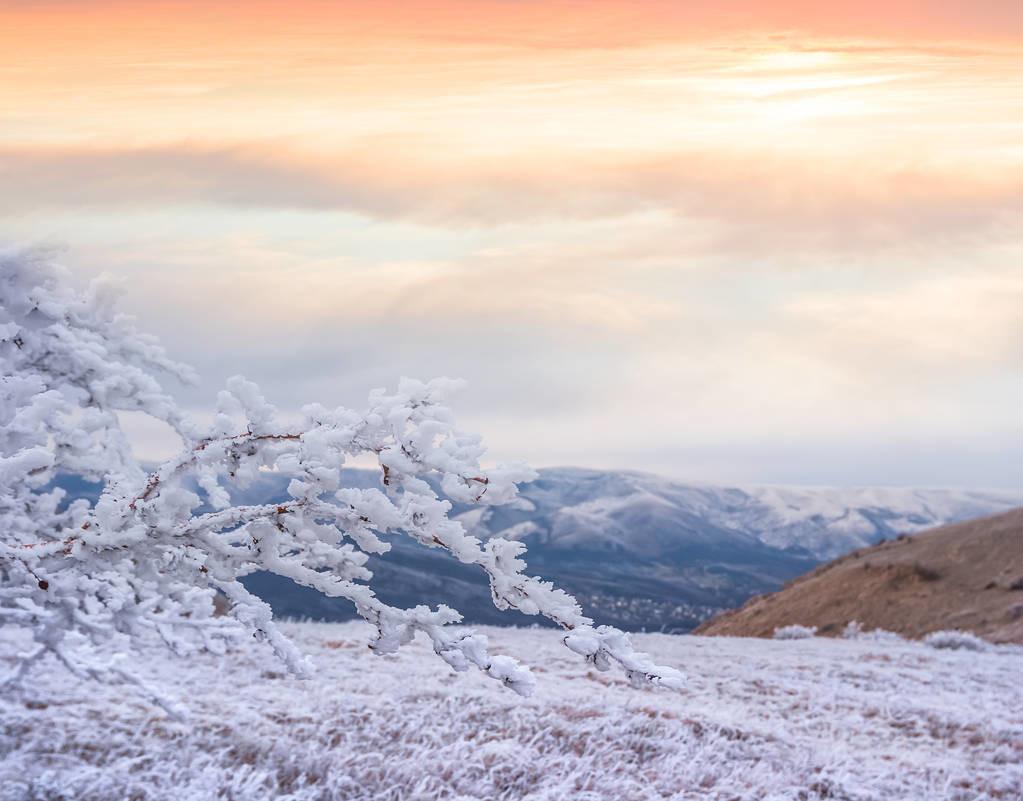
964, 576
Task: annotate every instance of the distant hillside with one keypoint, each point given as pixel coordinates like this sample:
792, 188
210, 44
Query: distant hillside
966, 576
638, 550
651, 515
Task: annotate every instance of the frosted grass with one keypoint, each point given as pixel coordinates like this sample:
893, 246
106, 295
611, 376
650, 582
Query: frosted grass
778, 720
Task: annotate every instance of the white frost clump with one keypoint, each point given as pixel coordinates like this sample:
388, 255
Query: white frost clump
855, 631
153, 552
956, 641
795, 632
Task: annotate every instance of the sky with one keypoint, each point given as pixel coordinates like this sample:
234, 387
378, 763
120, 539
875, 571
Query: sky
749, 242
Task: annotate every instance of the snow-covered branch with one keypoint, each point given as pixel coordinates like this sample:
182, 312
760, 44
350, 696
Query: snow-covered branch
156, 548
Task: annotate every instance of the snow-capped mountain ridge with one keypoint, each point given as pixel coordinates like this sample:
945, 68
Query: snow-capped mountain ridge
575, 507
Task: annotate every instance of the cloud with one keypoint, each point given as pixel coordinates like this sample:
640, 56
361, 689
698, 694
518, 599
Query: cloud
768, 197
530, 340
797, 377
940, 326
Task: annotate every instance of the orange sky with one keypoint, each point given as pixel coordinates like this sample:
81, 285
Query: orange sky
500, 76
542, 23
769, 215
477, 112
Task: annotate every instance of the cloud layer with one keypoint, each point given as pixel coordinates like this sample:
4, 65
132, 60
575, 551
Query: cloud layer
732, 241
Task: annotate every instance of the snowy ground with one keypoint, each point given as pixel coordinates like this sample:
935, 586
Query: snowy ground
801, 719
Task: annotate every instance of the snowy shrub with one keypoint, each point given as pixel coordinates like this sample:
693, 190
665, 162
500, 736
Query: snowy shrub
855, 631
795, 632
956, 641
148, 559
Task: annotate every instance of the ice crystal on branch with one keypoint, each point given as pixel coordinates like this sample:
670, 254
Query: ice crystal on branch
150, 556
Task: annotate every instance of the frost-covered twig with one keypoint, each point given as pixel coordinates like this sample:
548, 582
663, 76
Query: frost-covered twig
156, 547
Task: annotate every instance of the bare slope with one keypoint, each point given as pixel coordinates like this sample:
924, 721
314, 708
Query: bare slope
964, 576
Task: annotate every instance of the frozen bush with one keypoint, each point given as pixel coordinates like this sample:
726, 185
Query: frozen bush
148, 559
855, 631
955, 640
795, 632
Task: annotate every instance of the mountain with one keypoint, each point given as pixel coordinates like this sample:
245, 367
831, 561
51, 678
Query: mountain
638, 550
965, 576
648, 514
